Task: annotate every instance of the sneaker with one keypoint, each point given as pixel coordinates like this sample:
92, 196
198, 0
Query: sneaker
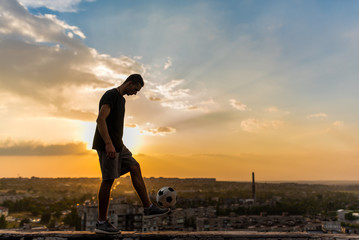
155, 211
106, 228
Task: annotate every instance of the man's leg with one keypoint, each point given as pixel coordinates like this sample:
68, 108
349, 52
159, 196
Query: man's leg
104, 199
139, 185
150, 210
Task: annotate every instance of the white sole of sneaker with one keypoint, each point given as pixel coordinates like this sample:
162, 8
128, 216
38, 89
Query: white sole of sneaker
98, 231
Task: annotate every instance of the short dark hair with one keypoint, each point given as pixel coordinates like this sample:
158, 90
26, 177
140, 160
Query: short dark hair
135, 78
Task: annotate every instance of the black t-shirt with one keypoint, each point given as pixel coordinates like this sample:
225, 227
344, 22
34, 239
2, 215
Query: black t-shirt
114, 120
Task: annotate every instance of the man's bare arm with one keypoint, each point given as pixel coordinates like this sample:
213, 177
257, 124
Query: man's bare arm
102, 128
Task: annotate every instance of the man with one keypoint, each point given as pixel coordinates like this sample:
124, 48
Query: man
115, 158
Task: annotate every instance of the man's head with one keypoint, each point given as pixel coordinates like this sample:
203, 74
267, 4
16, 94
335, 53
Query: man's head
132, 84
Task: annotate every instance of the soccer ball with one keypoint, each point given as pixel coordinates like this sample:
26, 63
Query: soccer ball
166, 197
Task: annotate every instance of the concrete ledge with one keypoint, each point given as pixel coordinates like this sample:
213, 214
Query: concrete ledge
241, 235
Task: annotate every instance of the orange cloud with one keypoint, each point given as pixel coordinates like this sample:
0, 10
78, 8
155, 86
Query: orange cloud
44, 59
238, 105
254, 125
161, 131
317, 115
28, 148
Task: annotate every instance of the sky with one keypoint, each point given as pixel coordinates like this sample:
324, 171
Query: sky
231, 87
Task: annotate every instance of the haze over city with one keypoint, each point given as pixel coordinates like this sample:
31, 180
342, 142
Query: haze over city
231, 87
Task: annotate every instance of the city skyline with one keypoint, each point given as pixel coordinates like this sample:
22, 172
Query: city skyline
231, 87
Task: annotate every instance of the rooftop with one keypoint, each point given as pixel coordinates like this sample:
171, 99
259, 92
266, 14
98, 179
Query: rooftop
235, 235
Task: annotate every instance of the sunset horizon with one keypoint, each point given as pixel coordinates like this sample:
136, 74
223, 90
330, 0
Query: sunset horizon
231, 87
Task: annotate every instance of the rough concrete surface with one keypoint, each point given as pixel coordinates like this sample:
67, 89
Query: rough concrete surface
241, 235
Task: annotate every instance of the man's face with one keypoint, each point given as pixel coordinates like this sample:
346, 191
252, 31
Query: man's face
133, 88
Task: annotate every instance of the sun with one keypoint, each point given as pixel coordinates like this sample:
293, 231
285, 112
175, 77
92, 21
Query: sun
132, 138
87, 133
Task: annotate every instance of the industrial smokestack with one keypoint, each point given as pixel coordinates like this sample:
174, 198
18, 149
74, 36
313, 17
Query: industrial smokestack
253, 188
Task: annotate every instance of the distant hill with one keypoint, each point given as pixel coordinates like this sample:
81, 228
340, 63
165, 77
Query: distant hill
318, 182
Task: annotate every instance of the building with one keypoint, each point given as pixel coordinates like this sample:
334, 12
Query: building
12, 198
350, 230
4, 211
125, 216
129, 217
251, 223
341, 214
178, 219
331, 226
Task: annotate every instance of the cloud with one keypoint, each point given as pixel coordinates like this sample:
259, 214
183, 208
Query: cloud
168, 64
75, 114
16, 20
317, 115
73, 29
169, 95
154, 99
169, 91
61, 6
277, 111
272, 109
238, 105
161, 131
179, 105
45, 59
338, 124
131, 125
30, 148
254, 125
334, 127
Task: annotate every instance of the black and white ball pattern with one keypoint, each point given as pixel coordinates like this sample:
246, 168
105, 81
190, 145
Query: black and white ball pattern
166, 197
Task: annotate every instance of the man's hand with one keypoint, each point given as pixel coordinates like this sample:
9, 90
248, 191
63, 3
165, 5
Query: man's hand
110, 150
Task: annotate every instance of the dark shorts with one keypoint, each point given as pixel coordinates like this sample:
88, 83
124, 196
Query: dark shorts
112, 168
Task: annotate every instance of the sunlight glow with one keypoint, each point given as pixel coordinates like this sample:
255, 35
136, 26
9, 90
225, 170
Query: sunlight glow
88, 131
132, 138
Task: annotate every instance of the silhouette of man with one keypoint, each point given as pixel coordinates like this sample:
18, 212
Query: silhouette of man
115, 159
